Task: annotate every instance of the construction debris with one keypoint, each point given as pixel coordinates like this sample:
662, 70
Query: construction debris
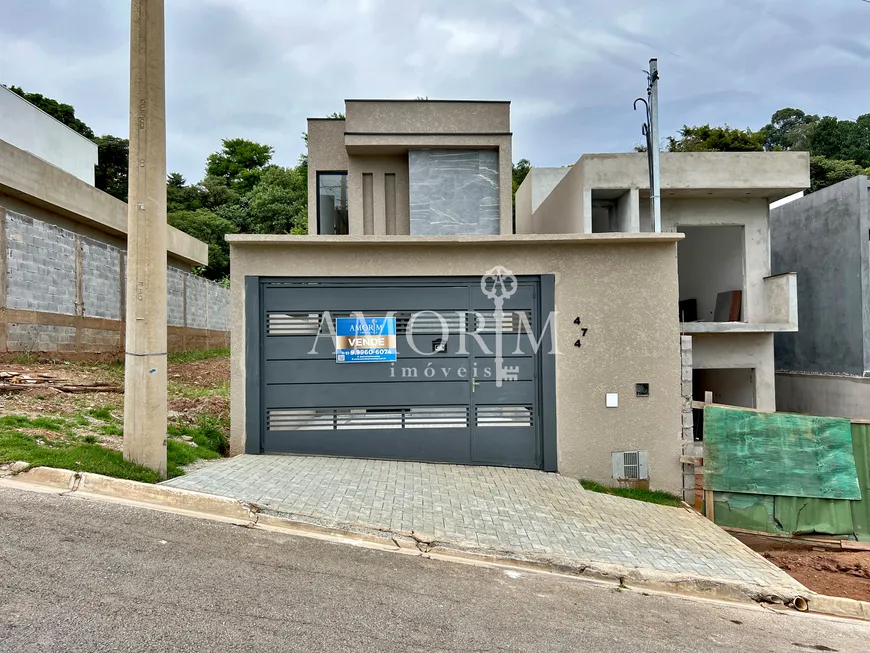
16, 382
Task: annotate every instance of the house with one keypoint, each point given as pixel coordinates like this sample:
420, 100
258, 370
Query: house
719, 202
824, 369
547, 350
389, 168
28, 128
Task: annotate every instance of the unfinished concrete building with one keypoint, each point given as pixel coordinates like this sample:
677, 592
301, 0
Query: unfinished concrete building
730, 304
824, 369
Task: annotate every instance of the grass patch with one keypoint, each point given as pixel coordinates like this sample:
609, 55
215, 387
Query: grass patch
183, 391
206, 433
639, 494
83, 457
44, 423
86, 454
104, 414
198, 355
179, 454
25, 358
81, 420
111, 429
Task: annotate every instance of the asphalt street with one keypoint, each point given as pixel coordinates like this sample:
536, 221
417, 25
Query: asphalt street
84, 575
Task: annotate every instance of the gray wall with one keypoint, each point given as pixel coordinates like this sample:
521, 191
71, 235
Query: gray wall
41, 271
824, 238
454, 192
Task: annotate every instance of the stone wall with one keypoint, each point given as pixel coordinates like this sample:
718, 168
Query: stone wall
690, 447
454, 192
64, 292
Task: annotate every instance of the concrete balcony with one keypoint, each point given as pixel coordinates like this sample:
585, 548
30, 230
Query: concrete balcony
780, 314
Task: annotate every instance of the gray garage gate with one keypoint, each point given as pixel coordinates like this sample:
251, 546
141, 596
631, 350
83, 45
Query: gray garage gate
443, 400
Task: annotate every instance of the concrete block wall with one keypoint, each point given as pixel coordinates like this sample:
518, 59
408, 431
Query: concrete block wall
65, 292
197, 302
101, 271
218, 307
41, 266
175, 282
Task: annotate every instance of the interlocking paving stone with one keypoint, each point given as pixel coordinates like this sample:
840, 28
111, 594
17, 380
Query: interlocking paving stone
518, 510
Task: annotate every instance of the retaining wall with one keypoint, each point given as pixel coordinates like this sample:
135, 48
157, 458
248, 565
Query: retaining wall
62, 291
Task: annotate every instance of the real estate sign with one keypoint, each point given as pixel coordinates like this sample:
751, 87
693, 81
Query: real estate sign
365, 340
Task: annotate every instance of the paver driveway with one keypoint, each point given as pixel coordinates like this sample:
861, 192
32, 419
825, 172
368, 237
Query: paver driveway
526, 512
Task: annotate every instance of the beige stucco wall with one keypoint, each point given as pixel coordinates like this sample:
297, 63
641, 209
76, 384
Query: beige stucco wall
427, 117
39, 183
378, 166
567, 209
740, 351
623, 287
326, 152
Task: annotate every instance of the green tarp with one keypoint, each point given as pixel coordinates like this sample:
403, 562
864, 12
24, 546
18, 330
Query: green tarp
861, 509
779, 454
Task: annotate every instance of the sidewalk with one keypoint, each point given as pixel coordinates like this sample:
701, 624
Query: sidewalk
522, 514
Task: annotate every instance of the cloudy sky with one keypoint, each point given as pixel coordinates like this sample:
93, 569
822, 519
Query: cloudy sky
257, 68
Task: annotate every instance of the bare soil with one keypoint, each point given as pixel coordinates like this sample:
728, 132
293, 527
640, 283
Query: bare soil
835, 573
196, 377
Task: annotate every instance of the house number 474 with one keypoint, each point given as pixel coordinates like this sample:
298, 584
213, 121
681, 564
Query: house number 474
583, 330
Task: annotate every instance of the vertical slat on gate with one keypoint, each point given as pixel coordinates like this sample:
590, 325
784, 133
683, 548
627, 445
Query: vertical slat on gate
547, 404
254, 323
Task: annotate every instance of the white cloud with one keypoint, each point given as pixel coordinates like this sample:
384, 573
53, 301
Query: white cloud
258, 68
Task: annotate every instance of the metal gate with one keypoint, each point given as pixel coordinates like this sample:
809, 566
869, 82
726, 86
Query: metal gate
443, 400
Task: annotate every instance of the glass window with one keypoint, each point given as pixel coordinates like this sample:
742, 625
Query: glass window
332, 203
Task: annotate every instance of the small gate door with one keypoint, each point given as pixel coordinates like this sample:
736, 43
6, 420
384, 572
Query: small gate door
443, 400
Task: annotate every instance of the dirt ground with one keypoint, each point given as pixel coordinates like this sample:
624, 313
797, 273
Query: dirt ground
195, 388
836, 573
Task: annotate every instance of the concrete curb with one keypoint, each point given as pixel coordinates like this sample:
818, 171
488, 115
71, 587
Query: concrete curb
250, 515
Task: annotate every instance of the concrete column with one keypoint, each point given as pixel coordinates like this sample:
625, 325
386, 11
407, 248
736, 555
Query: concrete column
145, 373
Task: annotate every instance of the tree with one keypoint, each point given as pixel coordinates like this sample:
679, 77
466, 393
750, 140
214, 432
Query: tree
214, 193
279, 203
826, 172
519, 172
715, 139
57, 110
789, 129
110, 174
211, 229
239, 163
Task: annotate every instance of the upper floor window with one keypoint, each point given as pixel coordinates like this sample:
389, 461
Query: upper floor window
332, 203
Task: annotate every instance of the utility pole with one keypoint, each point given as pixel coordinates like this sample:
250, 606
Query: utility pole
654, 173
145, 360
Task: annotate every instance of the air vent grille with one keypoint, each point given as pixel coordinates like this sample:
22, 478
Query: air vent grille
630, 465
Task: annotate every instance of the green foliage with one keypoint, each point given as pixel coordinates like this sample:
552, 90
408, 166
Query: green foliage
111, 429
111, 172
788, 129
638, 494
103, 414
715, 139
211, 229
239, 163
198, 355
57, 110
839, 149
207, 434
519, 172
279, 203
825, 172
82, 457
